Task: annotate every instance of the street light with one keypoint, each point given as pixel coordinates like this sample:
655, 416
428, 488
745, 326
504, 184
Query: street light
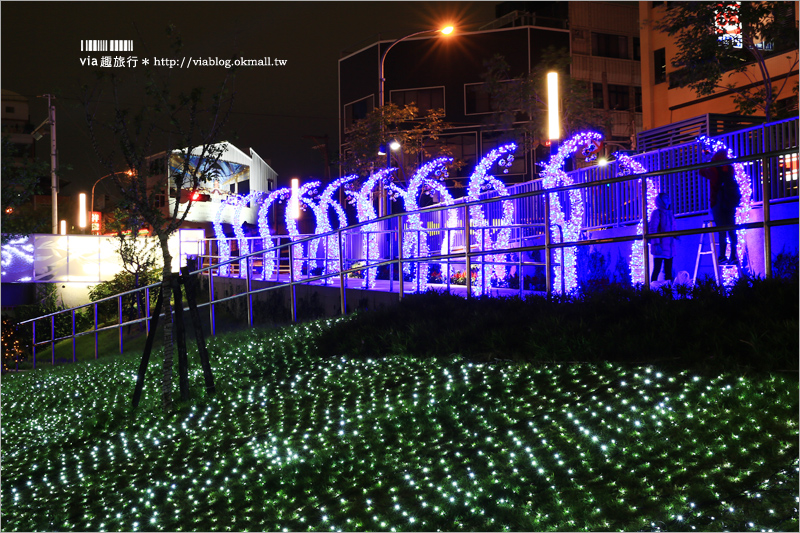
128, 172
447, 30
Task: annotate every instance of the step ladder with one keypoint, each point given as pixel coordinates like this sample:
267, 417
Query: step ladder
712, 251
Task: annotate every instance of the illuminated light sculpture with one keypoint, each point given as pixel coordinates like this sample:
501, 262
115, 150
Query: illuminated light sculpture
730, 273
554, 176
628, 166
323, 225
14, 252
238, 228
479, 181
415, 241
366, 212
302, 198
279, 195
223, 246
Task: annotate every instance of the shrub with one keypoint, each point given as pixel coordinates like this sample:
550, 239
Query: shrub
123, 281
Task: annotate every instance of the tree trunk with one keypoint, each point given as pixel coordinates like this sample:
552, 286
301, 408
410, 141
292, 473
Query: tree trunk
166, 295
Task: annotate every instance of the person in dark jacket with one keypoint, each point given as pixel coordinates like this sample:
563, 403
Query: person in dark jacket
661, 221
724, 199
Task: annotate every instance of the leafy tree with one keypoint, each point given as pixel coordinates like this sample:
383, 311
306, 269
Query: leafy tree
406, 125
706, 54
21, 179
519, 103
183, 126
139, 257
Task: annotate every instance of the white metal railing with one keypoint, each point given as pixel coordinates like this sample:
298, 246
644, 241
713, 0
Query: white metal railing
534, 235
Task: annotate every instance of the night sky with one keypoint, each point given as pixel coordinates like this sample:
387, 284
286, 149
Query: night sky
275, 107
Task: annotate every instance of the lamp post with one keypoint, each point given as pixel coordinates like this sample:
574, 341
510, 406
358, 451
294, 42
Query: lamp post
128, 172
382, 98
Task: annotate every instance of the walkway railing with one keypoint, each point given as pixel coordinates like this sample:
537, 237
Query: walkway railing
531, 237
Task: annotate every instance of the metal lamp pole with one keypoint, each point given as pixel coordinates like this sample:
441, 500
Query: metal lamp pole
382, 100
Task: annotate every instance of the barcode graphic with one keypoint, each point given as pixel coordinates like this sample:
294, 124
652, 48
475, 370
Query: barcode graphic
105, 45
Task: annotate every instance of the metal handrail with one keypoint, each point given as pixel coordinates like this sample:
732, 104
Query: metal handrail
468, 253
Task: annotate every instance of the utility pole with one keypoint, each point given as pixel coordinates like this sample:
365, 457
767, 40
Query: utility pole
37, 134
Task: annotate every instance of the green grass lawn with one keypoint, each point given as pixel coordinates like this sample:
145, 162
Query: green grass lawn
296, 439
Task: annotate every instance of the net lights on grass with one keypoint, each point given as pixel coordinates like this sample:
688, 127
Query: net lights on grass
554, 176
730, 273
314, 443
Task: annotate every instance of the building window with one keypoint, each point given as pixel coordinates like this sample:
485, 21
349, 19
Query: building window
597, 95
356, 111
619, 96
158, 166
637, 49
660, 65
424, 99
637, 99
476, 99
9, 109
462, 148
607, 45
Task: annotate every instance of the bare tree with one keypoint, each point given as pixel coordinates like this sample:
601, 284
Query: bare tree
184, 127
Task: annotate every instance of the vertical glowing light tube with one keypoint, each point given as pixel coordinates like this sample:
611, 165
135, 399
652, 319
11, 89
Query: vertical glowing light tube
553, 129
63, 227
82, 210
294, 201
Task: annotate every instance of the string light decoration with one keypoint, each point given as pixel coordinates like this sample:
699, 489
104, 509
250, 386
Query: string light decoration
223, 245
16, 254
554, 176
310, 443
415, 239
238, 229
730, 273
481, 180
323, 225
306, 191
278, 195
366, 212
12, 345
628, 166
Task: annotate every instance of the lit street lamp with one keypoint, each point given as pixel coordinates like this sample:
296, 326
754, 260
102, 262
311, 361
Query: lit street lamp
382, 98
128, 172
